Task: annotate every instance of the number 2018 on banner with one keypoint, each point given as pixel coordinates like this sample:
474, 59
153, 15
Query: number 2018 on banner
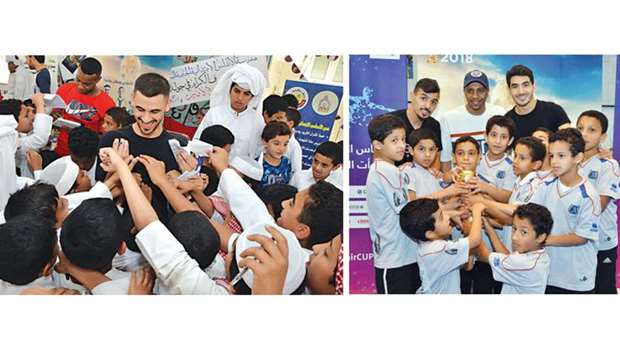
457, 58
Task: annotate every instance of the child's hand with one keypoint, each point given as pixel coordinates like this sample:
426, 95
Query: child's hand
142, 282
49, 291
186, 161
268, 263
34, 159
121, 146
605, 153
155, 168
110, 160
478, 208
219, 159
38, 102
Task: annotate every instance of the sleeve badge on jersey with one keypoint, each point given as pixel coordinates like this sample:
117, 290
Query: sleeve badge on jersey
496, 261
451, 251
593, 175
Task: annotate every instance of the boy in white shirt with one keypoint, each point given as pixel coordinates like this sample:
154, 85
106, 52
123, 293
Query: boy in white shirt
422, 182
575, 206
28, 252
439, 259
395, 254
327, 158
526, 269
604, 174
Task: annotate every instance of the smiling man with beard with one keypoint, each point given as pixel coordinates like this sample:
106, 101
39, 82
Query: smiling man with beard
530, 113
468, 119
421, 104
147, 135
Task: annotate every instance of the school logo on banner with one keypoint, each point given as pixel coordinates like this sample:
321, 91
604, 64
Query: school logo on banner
325, 103
300, 94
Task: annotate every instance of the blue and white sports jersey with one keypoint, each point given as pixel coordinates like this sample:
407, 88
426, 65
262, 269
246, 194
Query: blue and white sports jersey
498, 173
439, 263
574, 210
604, 174
521, 273
386, 195
421, 181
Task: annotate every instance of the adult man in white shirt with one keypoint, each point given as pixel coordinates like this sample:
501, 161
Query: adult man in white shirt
23, 86
468, 119
236, 103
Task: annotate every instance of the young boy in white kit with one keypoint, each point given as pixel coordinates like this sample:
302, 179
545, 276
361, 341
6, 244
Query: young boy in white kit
439, 259
604, 174
575, 205
423, 183
395, 254
525, 270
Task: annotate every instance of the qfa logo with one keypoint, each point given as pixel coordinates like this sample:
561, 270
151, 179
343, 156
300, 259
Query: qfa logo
573, 209
501, 174
593, 175
594, 227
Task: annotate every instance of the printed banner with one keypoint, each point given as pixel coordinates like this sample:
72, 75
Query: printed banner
377, 85
318, 106
194, 82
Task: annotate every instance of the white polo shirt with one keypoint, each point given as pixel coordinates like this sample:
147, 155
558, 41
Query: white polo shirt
604, 174
386, 187
439, 263
521, 273
575, 209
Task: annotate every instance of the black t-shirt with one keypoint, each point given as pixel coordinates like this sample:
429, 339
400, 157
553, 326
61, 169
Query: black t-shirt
44, 81
545, 114
157, 148
429, 123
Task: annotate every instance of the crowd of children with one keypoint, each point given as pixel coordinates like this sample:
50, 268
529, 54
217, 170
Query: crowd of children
126, 207
531, 216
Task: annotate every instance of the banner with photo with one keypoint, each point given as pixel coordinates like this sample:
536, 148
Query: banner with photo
318, 106
377, 85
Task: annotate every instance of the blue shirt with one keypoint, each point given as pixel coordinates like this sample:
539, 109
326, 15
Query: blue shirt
280, 174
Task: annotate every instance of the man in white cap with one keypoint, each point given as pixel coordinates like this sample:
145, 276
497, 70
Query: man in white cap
23, 85
468, 119
236, 103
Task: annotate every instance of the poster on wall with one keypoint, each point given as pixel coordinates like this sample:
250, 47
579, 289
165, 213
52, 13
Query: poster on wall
377, 85
318, 106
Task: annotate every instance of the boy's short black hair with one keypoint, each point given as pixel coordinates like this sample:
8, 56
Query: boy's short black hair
291, 101
274, 194
40, 199
274, 104
11, 106
538, 215
427, 85
416, 218
120, 116
501, 121
322, 212
275, 129
151, 85
465, 139
83, 142
293, 115
217, 135
422, 134
26, 245
571, 136
198, 237
544, 130
39, 58
331, 150
537, 149
91, 66
382, 126
90, 236
602, 119
519, 70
